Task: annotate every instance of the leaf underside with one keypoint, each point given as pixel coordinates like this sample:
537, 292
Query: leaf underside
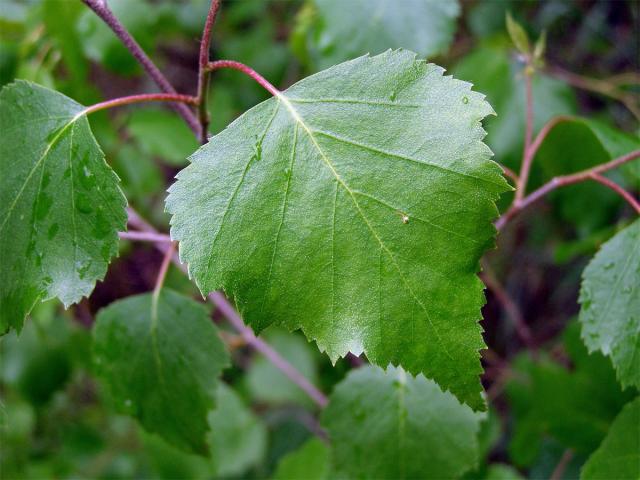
354, 206
610, 303
391, 425
60, 204
161, 363
353, 28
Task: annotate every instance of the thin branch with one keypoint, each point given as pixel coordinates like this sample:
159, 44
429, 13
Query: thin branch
145, 237
609, 87
528, 136
558, 472
203, 73
145, 97
103, 11
618, 189
509, 306
241, 67
235, 320
544, 131
261, 346
138, 222
562, 181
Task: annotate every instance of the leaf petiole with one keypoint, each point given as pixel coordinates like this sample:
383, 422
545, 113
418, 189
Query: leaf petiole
142, 98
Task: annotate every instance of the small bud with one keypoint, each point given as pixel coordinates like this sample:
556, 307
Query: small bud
539, 49
518, 36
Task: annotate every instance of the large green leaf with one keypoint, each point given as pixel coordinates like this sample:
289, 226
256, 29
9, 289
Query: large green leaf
392, 425
619, 454
344, 30
60, 204
610, 303
161, 358
354, 206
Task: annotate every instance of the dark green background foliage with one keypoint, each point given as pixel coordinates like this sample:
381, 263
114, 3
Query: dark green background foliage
75, 383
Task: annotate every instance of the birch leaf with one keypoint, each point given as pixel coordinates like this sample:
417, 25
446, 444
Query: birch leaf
354, 206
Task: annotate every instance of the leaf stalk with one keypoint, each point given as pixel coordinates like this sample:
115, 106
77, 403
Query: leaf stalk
142, 98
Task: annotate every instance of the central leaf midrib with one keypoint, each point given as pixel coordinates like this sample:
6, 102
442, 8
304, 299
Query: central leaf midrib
298, 118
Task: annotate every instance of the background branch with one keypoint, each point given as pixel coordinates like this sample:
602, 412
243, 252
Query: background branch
528, 135
203, 73
565, 180
103, 11
610, 87
509, 306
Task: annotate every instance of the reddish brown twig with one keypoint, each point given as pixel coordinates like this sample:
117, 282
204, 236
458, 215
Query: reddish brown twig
618, 189
558, 472
101, 9
144, 237
561, 181
142, 98
203, 74
241, 67
609, 87
528, 136
509, 306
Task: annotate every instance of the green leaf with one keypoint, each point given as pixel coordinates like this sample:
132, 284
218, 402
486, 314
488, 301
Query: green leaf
310, 461
237, 442
610, 303
163, 134
518, 36
60, 204
575, 406
345, 30
168, 462
161, 358
39, 361
238, 438
356, 214
391, 425
619, 454
266, 383
499, 471
489, 434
